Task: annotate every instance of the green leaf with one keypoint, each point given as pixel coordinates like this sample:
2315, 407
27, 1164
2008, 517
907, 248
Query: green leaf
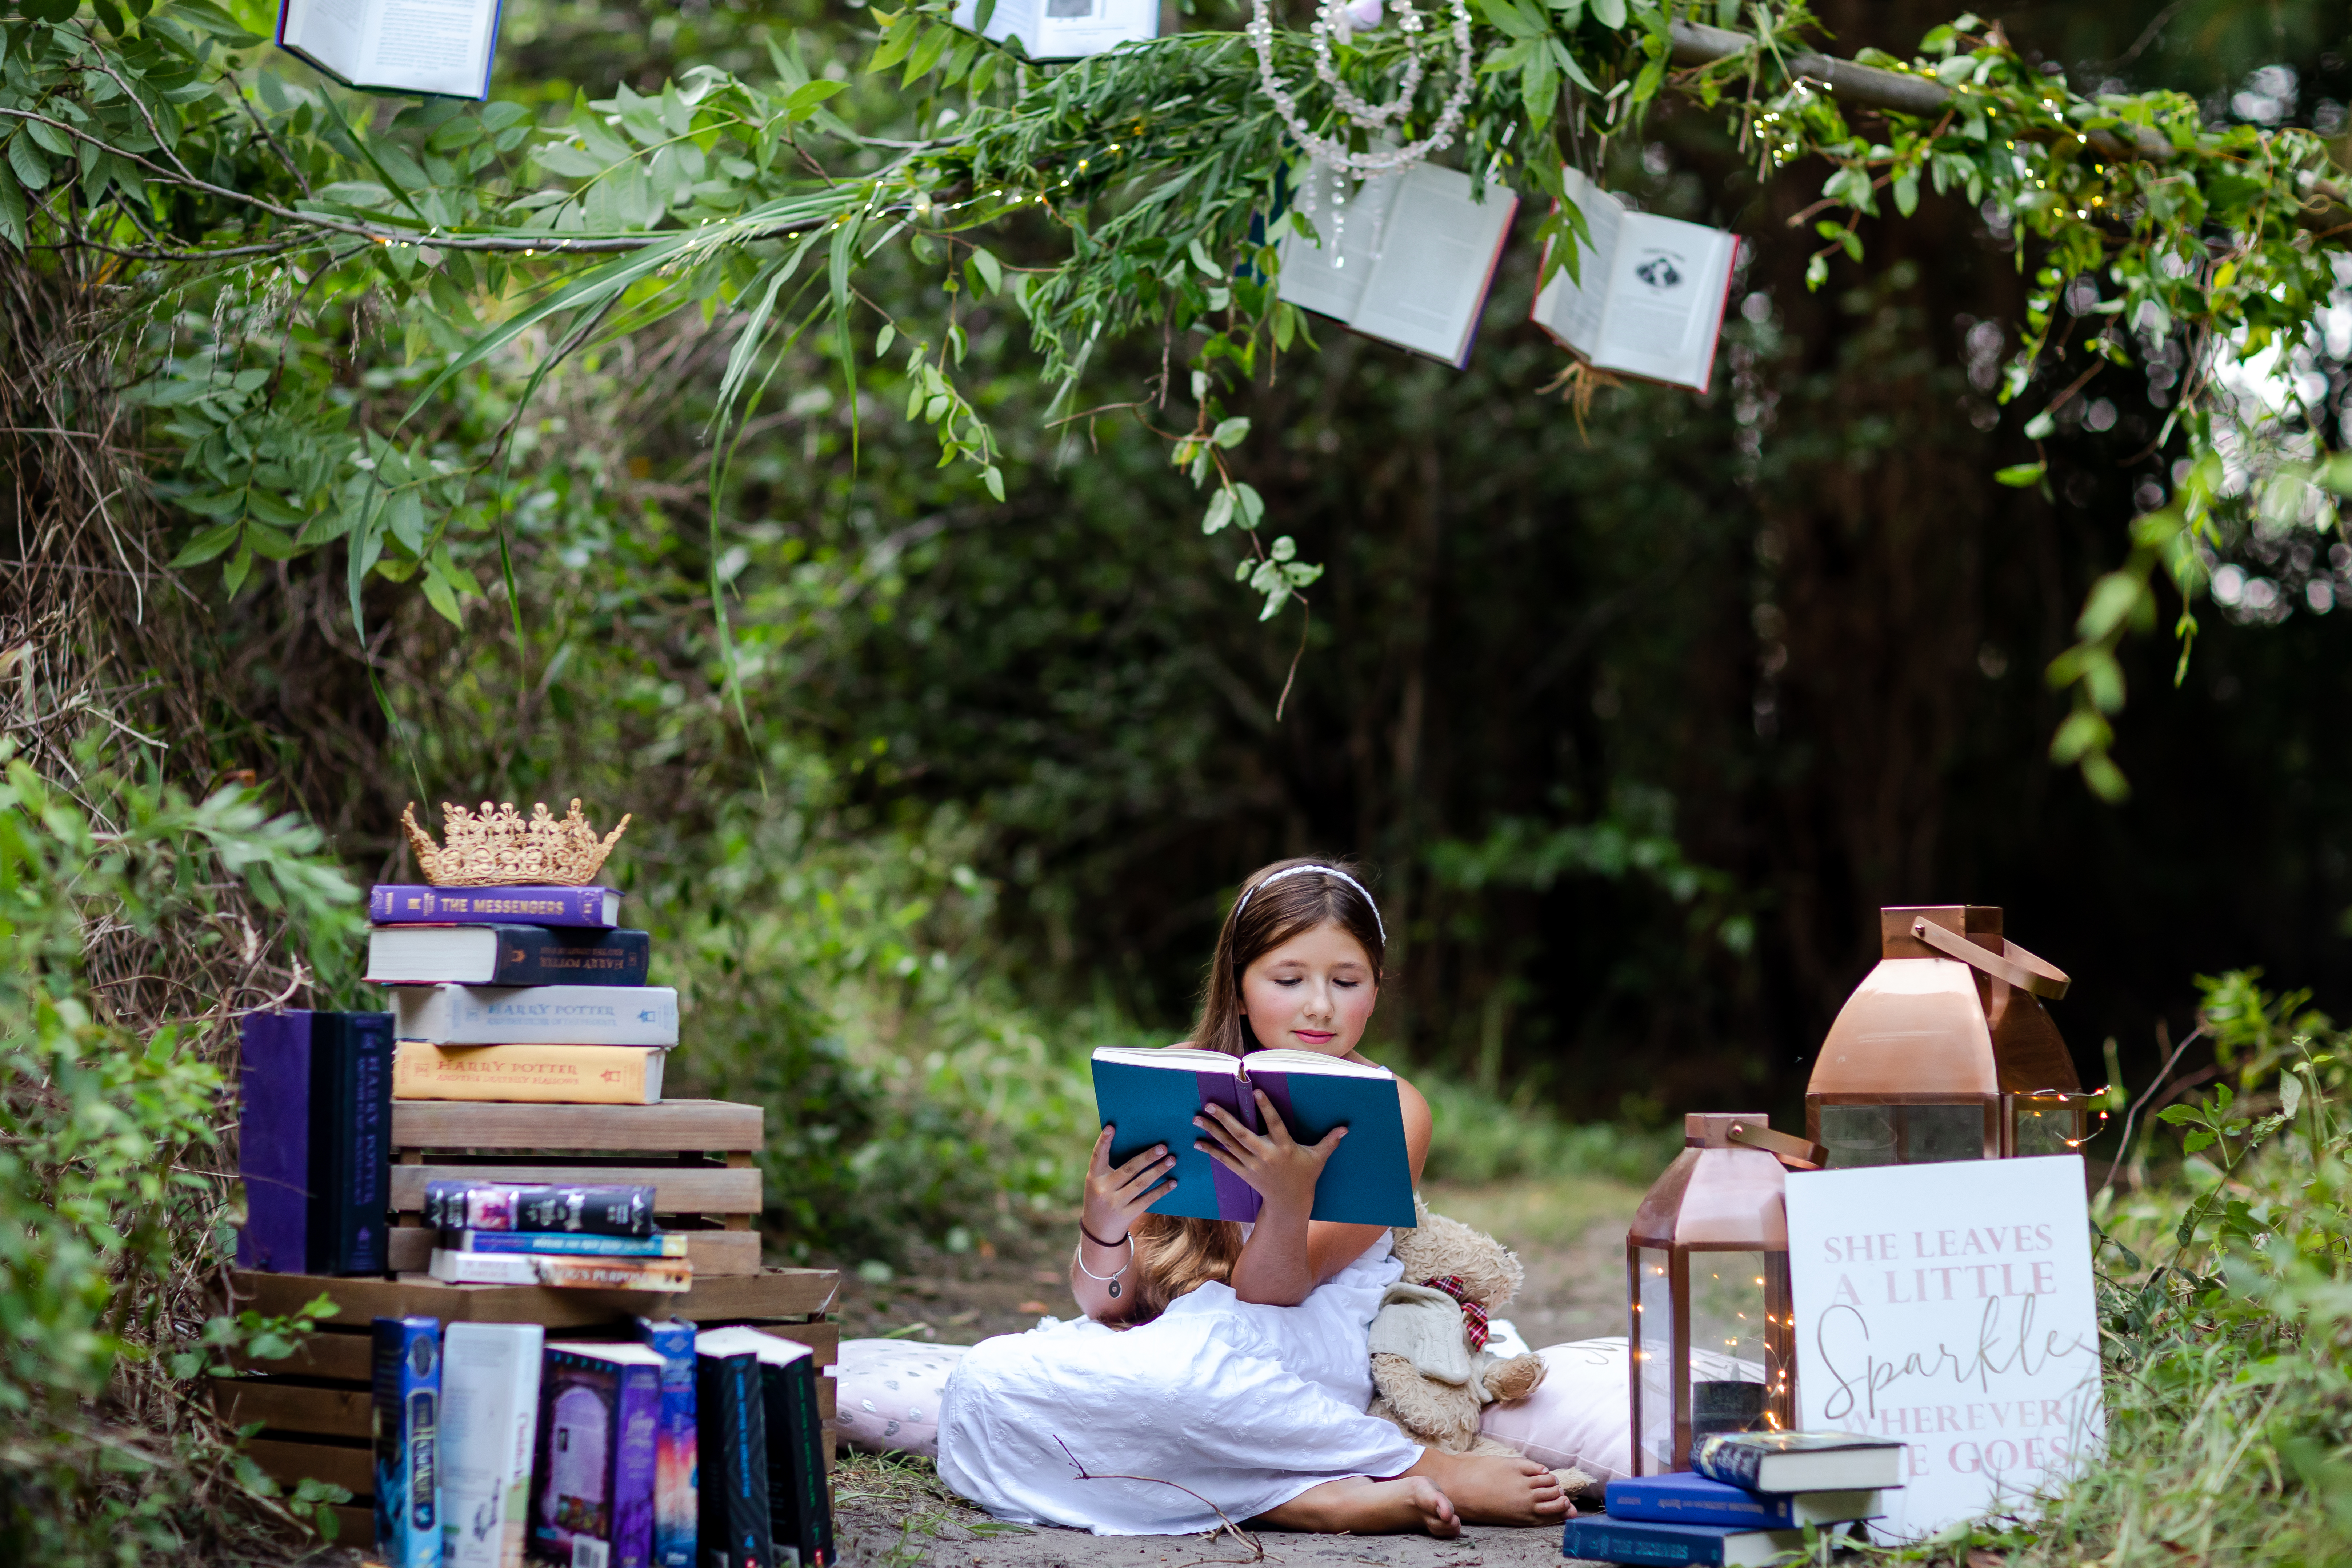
1230, 433
2038, 427
1250, 505
12, 209
991, 273
2018, 475
441, 595
1609, 14
896, 42
1221, 512
207, 545
31, 168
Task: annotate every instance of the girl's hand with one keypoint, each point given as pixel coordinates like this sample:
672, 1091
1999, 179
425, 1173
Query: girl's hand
1283, 1170
1116, 1194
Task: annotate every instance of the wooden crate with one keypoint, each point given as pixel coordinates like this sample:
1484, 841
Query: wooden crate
314, 1405
697, 1155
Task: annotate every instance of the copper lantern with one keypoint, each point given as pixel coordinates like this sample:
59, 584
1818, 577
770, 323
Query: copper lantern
1707, 1266
1943, 1051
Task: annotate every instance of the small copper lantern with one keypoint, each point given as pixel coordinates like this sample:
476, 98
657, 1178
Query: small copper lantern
1943, 1051
1706, 1266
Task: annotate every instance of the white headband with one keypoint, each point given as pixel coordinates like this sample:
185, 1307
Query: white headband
1327, 871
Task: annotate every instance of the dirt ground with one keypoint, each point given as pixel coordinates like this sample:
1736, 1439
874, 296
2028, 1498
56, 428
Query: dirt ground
894, 1514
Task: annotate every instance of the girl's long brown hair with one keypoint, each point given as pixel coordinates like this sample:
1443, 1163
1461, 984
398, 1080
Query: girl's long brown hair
1175, 1255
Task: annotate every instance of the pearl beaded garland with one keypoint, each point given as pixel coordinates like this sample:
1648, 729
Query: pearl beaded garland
1326, 152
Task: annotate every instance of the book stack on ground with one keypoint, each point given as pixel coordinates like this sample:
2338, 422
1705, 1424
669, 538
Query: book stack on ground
528, 995
492, 1443
1748, 1498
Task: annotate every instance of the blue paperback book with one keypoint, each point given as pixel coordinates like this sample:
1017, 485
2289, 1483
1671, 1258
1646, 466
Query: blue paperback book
676, 1462
1599, 1538
1151, 1097
1684, 1497
407, 1420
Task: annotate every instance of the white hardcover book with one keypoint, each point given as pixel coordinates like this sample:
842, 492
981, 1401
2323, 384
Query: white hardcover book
1064, 29
440, 47
561, 1272
1414, 257
773, 1349
536, 1014
1651, 298
489, 1417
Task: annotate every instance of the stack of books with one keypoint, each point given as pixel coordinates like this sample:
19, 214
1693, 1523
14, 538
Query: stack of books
520, 993
1747, 1499
492, 1443
530, 994
582, 1238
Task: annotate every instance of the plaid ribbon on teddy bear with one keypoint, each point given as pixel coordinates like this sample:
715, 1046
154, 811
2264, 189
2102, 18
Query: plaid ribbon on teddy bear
1473, 1313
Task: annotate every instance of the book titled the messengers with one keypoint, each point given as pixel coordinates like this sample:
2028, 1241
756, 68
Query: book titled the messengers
1151, 1097
439, 48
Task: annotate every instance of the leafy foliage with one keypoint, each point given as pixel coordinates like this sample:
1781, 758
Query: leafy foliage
110, 1211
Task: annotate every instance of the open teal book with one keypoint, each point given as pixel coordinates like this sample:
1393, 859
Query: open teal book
1151, 1097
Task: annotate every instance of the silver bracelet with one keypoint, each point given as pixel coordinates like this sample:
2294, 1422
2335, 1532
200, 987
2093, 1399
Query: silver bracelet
1111, 1279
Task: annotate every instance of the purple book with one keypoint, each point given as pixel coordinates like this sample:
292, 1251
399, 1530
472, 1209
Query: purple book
402, 904
593, 1479
274, 1142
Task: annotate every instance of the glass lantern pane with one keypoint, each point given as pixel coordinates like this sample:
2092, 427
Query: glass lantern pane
1654, 1347
1728, 1356
2044, 1128
1858, 1135
1936, 1132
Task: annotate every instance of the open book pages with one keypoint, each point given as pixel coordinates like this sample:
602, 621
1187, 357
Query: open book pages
1410, 263
1151, 1097
1649, 302
440, 47
1065, 29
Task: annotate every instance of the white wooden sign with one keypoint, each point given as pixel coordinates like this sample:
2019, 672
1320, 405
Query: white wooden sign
1950, 1306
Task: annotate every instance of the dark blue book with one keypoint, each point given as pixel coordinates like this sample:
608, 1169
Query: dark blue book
1687, 1498
407, 1399
507, 955
273, 1144
351, 1141
731, 1444
1609, 1540
1151, 1097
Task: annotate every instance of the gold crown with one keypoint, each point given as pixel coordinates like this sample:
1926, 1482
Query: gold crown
500, 848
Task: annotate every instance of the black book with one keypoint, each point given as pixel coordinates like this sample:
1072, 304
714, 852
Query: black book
351, 1141
507, 955
732, 1462
496, 1205
800, 1510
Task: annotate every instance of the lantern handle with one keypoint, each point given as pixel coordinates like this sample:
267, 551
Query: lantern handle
1794, 1152
2019, 968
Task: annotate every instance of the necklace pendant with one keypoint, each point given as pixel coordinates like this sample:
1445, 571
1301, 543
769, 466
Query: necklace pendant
1114, 1289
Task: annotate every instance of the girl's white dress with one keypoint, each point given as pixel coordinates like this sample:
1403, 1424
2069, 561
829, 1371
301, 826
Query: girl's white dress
1246, 1405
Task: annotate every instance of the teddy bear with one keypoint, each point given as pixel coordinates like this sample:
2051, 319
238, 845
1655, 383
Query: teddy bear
1430, 1364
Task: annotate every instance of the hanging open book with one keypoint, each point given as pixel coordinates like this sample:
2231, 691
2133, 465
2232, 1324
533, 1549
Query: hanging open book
1151, 1095
441, 48
1650, 300
1411, 261
1063, 29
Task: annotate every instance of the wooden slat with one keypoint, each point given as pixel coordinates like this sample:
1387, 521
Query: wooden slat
678, 1189
337, 1464
693, 1125
344, 1356
283, 1407
770, 1296
359, 1526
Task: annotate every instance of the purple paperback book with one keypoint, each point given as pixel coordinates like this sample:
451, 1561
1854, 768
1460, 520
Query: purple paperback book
399, 903
594, 1483
274, 1142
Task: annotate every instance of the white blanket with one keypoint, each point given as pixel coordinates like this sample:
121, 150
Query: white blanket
1245, 1405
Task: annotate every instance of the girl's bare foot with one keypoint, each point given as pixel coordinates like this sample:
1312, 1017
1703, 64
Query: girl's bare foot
1491, 1489
1368, 1507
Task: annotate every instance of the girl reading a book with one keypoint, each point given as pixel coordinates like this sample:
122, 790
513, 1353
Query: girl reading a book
1221, 1369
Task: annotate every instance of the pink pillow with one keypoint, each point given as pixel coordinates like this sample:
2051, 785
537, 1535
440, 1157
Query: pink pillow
1579, 1418
887, 1395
